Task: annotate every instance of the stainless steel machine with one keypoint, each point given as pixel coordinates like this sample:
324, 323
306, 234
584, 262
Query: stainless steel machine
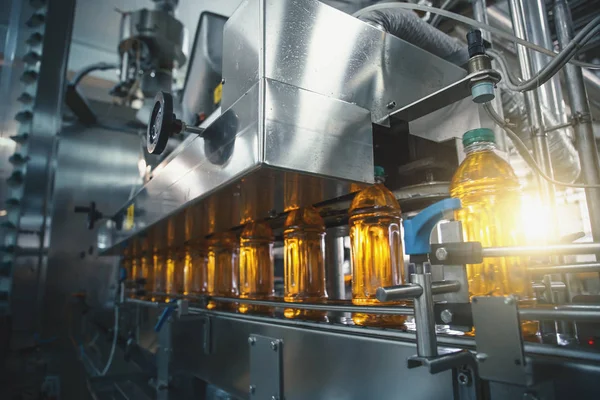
297, 108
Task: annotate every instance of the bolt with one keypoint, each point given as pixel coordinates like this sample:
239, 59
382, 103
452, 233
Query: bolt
481, 357
391, 105
251, 341
509, 300
272, 213
464, 378
274, 345
446, 316
252, 389
441, 254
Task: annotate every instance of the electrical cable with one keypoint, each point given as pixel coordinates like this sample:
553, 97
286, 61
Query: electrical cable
550, 69
101, 66
115, 337
435, 21
473, 23
524, 151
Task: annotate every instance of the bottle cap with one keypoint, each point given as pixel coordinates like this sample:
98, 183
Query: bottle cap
478, 135
379, 171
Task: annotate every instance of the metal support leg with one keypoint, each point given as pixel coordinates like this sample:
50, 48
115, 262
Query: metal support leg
424, 319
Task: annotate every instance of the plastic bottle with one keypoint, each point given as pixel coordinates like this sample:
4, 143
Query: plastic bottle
147, 273
304, 262
491, 211
158, 288
196, 274
256, 266
223, 262
376, 246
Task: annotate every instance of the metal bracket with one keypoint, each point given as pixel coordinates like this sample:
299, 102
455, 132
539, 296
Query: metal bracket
266, 368
499, 342
448, 359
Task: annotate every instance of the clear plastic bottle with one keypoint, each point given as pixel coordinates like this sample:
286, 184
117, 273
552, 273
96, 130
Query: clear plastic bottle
196, 273
256, 266
158, 288
171, 275
147, 273
304, 262
376, 246
223, 262
490, 195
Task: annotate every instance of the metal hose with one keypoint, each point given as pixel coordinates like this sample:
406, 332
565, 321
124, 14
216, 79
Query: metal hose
409, 27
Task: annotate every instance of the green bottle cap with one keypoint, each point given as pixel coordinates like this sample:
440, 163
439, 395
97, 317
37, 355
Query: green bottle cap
379, 171
478, 135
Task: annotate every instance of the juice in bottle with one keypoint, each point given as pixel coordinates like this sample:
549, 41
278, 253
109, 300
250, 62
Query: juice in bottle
170, 266
304, 262
256, 266
490, 195
147, 273
158, 287
196, 273
377, 259
127, 264
223, 262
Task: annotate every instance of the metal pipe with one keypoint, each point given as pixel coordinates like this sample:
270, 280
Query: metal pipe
553, 285
541, 150
538, 32
404, 292
334, 260
567, 268
146, 303
387, 310
580, 111
560, 315
550, 250
424, 319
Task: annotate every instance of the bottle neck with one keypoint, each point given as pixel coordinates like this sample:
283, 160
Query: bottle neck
480, 146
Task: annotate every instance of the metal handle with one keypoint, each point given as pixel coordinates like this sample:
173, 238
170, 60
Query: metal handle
411, 291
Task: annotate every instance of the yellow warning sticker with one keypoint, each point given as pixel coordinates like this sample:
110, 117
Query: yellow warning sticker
218, 93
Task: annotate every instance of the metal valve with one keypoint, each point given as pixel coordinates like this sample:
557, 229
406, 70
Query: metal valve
164, 124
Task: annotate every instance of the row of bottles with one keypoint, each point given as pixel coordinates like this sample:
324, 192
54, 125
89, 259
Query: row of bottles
228, 266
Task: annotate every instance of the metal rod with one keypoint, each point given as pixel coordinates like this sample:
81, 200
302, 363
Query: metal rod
387, 310
580, 110
424, 318
541, 150
334, 261
560, 315
568, 268
146, 303
550, 250
554, 286
399, 292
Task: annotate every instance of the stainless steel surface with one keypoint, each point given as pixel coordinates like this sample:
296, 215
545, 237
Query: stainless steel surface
266, 375
500, 352
580, 108
351, 60
318, 363
204, 68
424, 319
27, 225
557, 249
451, 232
403, 292
309, 159
541, 150
334, 261
450, 94
567, 268
560, 315
400, 292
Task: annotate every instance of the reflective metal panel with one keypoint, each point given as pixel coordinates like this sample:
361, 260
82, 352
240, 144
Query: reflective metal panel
317, 364
251, 167
316, 47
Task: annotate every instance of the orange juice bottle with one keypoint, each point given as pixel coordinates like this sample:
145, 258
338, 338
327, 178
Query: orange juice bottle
256, 266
